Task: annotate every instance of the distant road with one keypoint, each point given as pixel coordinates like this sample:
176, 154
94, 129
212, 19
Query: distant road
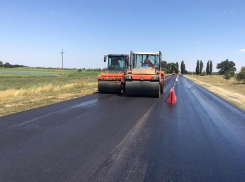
107, 137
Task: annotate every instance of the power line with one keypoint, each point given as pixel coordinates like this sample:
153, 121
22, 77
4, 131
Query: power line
62, 61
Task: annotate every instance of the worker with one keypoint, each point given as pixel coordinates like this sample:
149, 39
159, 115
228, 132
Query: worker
115, 64
148, 62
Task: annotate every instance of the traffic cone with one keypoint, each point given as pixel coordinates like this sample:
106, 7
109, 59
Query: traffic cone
169, 99
174, 98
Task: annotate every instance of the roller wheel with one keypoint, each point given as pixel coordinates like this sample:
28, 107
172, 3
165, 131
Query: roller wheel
159, 90
109, 88
142, 88
161, 87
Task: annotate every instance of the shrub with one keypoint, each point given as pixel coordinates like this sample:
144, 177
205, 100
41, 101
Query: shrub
227, 75
241, 75
203, 74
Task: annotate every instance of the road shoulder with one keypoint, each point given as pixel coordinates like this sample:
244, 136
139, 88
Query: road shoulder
236, 99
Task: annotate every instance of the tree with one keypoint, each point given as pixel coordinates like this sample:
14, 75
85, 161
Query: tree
203, 73
182, 67
177, 68
241, 75
208, 68
201, 67
227, 75
164, 66
197, 68
165, 70
211, 67
226, 66
172, 67
1, 64
7, 65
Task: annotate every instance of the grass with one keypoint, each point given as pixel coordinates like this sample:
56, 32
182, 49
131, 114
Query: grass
23, 92
33, 70
30, 81
231, 90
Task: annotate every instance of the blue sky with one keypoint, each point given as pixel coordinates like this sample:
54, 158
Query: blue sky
33, 32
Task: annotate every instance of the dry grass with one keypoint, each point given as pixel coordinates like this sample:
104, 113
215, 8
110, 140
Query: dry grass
10, 93
230, 90
13, 100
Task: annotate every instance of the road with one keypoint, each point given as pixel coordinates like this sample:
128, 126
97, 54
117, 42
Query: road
106, 137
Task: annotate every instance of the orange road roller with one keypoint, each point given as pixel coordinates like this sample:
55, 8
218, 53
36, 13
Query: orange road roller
112, 80
145, 78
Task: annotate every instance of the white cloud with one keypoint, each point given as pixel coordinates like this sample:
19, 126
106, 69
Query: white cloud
242, 50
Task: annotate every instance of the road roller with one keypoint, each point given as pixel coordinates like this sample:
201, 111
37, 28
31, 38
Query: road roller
112, 80
145, 78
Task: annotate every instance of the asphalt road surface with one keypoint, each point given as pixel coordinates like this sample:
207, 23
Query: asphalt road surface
108, 137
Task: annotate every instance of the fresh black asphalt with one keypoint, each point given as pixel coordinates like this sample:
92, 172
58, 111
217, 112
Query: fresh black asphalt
108, 137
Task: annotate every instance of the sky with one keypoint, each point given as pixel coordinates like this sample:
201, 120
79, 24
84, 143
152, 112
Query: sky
34, 32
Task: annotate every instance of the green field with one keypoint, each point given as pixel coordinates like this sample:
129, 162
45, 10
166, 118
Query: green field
20, 91
37, 71
16, 80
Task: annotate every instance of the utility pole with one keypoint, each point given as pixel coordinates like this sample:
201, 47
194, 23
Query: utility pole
62, 61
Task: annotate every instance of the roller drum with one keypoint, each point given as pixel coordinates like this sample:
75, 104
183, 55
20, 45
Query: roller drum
142, 88
109, 87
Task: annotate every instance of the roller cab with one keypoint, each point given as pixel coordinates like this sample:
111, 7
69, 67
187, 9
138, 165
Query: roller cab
112, 80
145, 77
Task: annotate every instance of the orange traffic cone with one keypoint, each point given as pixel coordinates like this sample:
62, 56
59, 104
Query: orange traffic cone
169, 99
172, 99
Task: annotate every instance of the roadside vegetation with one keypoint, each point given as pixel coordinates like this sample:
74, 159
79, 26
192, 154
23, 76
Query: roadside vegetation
8, 65
170, 67
20, 92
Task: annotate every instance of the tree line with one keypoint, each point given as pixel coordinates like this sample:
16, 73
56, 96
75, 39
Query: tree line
173, 67
8, 65
226, 68
90, 69
199, 68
